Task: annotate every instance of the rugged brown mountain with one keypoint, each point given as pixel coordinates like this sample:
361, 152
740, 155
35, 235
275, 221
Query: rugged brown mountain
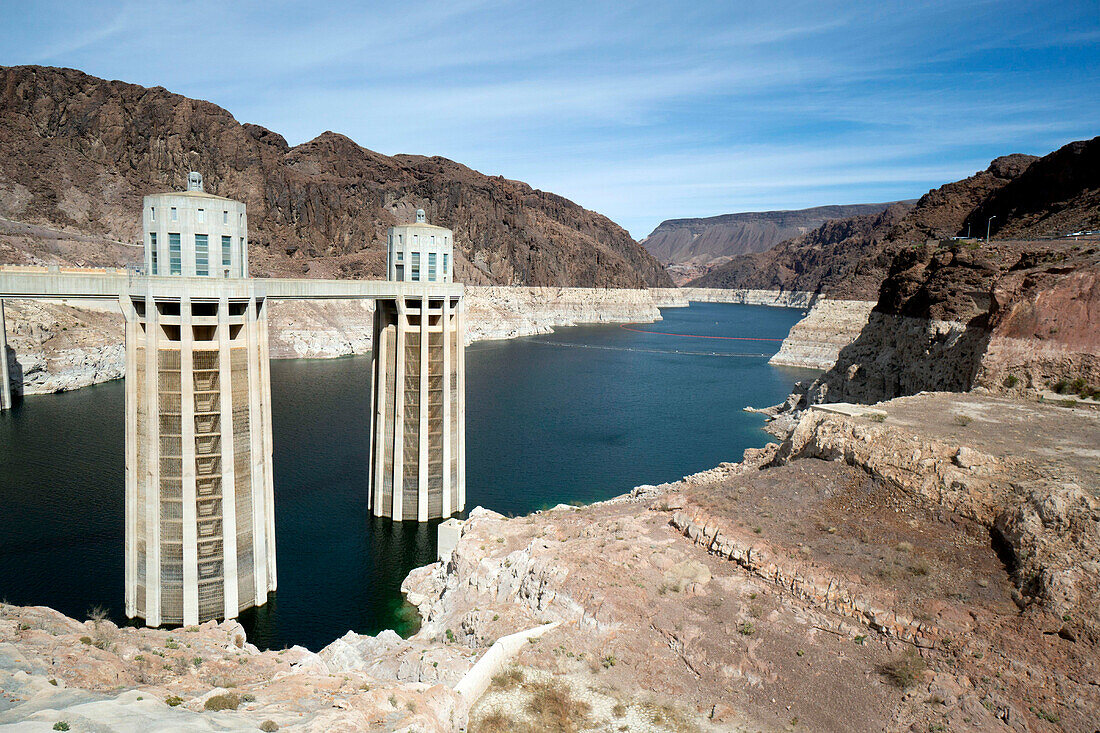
692, 247
850, 258
1058, 194
77, 153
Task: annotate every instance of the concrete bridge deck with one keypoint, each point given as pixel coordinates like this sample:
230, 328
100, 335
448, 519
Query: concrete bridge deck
99, 284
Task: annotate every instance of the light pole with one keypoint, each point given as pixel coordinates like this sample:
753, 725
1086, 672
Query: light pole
987, 223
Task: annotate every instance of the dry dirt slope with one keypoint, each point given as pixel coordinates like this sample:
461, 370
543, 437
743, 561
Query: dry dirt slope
78, 153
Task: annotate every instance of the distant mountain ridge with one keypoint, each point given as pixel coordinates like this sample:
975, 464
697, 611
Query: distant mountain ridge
77, 154
697, 244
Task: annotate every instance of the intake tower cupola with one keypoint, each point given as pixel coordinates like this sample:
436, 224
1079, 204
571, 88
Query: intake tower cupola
194, 233
420, 252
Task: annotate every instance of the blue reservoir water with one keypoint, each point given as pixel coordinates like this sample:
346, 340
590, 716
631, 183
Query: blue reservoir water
582, 414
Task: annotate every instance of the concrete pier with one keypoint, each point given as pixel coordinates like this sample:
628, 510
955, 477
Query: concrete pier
200, 503
5, 378
418, 410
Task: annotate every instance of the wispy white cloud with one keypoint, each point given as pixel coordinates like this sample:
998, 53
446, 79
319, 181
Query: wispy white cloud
639, 110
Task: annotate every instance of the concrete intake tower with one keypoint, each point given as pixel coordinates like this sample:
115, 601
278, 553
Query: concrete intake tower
200, 521
418, 383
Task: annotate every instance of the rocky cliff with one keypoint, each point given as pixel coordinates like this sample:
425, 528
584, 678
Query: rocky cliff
1018, 316
1056, 195
697, 245
816, 341
77, 153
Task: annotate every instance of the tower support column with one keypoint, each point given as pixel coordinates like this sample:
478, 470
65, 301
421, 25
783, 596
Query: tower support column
417, 409
5, 378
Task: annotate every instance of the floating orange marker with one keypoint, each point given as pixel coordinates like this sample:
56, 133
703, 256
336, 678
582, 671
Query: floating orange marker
694, 336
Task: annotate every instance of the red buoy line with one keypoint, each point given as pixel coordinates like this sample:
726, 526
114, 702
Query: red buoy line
694, 336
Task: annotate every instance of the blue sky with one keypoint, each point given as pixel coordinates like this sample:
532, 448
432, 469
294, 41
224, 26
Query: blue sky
641, 111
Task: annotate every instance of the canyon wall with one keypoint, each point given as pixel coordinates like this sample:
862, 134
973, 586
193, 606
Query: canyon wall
1006, 316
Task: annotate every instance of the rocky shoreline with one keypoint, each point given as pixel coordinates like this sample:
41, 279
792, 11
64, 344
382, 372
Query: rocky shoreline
939, 570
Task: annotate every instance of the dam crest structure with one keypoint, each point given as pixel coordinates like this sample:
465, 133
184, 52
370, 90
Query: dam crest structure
199, 494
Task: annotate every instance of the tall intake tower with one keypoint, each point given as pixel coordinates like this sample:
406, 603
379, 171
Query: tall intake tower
417, 463
200, 523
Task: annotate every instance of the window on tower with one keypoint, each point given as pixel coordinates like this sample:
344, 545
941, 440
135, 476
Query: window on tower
202, 255
175, 263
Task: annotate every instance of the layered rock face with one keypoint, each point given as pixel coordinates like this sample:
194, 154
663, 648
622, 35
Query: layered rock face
77, 153
816, 341
774, 298
964, 316
947, 315
824, 260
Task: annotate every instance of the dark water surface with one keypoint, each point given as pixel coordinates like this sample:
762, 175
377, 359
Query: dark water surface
583, 414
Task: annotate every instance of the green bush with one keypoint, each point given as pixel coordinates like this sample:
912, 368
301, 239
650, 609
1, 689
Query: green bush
174, 701
269, 726
1011, 381
225, 701
61, 725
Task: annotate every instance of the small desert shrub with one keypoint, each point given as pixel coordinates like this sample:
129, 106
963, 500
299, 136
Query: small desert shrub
269, 726
1060, 386
619, 710
61, 725
876, 417
903, 671
173, 701
85, 640
554, 708
506, 679
904, 547
920, 568
494, 722
746, 629
225, 701
1011, 381
962, 420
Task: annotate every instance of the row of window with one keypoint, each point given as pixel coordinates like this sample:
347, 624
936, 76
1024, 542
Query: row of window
202, 253
200, 215
414, 265
428, 239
